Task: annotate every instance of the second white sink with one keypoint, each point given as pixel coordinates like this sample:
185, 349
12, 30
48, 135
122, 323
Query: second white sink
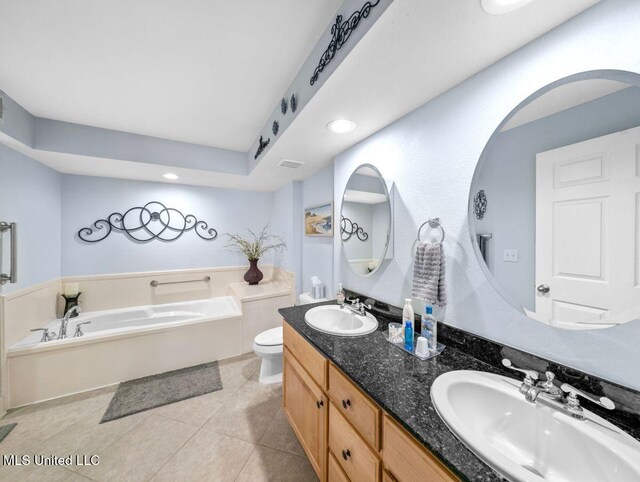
530, 441
342, 322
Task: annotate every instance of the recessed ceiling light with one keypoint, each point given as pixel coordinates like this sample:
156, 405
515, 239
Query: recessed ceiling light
171, 176
341, 126
498, 7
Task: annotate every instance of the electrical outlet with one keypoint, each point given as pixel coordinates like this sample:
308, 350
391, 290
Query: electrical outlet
510, 256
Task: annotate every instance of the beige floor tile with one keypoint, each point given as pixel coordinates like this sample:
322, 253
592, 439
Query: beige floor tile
207, 456
33, 473
234, 372
88, 437
42, 421
196, 411
269, 465
142, 451
249, 413
280, 436
77, 478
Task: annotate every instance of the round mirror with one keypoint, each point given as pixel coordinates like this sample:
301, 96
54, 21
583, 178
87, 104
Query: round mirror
365, 220
554, 207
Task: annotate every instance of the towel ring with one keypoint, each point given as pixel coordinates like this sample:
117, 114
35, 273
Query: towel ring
434, 223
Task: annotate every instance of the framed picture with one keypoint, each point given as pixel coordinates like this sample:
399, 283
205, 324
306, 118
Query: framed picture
318, 220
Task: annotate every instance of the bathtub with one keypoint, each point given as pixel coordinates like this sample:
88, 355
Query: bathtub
139, 319
123, 344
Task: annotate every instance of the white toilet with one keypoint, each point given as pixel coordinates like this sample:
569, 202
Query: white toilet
268, 346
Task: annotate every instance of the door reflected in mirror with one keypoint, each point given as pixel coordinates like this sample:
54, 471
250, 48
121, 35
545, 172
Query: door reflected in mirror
365, 220
554, 207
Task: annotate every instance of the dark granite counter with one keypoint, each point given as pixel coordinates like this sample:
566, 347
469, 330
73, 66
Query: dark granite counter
400, 384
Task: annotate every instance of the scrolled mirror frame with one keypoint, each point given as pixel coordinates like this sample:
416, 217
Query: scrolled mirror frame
389, 228
631, 78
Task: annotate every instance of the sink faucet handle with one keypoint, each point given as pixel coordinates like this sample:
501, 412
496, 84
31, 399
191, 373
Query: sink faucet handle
573, 403
531, 375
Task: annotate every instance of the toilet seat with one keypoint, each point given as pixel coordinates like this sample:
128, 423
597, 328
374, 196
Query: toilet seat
272, 337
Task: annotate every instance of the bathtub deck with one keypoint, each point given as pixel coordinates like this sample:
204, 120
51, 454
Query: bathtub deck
238, 433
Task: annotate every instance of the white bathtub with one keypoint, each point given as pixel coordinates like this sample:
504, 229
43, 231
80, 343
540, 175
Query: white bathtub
137, 319
123, 344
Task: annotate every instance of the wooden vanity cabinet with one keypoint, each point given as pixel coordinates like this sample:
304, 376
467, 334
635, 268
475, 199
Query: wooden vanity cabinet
346, 435
306, 406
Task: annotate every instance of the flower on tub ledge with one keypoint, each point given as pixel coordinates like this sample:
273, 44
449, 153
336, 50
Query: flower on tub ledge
254, 249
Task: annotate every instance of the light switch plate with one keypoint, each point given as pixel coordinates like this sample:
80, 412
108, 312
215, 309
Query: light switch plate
510, 256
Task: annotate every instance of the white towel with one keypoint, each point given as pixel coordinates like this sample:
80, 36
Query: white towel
429, 274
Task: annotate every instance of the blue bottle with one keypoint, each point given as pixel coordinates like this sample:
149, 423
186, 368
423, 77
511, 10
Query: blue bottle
407, 323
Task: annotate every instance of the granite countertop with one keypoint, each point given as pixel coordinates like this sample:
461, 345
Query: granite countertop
401, 384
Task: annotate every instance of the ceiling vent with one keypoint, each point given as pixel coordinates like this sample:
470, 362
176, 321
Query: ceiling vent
289, 164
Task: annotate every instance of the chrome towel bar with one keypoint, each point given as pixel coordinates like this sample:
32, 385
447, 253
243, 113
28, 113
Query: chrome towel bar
155, 283
12, 277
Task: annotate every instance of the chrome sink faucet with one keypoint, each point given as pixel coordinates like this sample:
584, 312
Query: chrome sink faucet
356, 307
549, 394
65, 321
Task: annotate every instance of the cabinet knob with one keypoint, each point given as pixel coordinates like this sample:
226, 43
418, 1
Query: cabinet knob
346, 403
346, 454
319, 403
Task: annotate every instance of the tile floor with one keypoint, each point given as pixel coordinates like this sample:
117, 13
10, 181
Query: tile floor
236, 434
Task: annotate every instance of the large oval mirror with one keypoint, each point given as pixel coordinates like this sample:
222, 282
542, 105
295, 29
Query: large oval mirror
365, 220
554, 207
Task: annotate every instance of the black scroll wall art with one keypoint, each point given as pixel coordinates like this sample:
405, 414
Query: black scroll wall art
262, 145
152, 221
340, 33
348, 228
480, 204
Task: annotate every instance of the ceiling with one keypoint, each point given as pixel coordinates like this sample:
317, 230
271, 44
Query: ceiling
381, 80
564, 97
203, 71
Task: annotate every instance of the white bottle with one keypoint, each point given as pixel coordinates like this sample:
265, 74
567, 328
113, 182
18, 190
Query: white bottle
340, 296
407, 324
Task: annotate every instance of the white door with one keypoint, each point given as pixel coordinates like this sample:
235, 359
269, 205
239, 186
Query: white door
587, 230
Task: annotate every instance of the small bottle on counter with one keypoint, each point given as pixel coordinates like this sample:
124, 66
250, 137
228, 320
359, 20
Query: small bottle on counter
407, 322
340, 297
429, 328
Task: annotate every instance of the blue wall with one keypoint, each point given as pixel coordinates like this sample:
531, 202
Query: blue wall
30, 196
317, 252
86, 199
431, 155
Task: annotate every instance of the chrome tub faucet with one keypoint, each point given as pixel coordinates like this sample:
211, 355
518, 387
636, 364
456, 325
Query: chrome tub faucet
65, 321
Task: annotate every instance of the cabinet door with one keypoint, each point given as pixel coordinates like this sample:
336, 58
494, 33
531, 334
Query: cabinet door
406, 461
306, 406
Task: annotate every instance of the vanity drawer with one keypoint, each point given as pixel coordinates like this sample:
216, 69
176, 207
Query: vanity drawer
335, 473
356, 406
406, 460
353, 454
311, 360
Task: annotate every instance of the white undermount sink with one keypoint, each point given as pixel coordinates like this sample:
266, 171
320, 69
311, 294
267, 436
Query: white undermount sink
530, 441
343, 322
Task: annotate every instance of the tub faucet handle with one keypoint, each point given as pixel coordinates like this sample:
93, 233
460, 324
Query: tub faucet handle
79, 329
46, 334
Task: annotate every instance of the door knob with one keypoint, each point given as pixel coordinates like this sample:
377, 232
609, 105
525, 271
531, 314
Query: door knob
544, 289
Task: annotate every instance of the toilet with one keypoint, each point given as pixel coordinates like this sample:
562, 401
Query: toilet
268, 346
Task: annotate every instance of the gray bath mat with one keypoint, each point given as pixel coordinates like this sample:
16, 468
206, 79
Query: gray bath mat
142, 394
6, 430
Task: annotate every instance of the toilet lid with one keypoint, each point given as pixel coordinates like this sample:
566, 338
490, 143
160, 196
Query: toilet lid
270, 337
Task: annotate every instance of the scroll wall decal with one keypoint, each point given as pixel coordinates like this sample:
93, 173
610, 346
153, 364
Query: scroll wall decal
340, 33
480, 204
152, 221
348, 228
